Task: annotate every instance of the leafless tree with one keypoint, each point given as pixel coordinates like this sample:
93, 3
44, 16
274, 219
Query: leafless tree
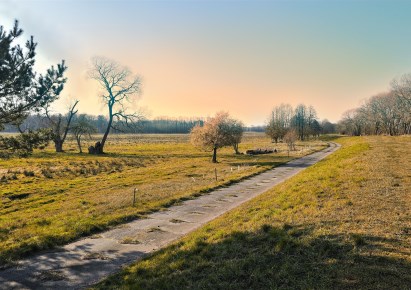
217, 132
120, 87
401, 87
235, 131
313, 126
384, 113
299, 122
290, 138
390, 113
352, 122
279, 122
82, 126
60, 125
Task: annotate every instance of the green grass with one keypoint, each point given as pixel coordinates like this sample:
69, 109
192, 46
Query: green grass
344, 223
52, 198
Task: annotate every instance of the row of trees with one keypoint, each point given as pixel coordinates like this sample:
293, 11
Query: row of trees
160, 125
386, 113
285, 123
170, 126
302, 120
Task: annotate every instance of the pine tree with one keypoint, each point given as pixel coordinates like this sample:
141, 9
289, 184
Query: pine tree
21, 90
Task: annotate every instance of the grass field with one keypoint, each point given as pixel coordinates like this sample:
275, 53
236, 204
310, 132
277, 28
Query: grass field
51, 198
344, 223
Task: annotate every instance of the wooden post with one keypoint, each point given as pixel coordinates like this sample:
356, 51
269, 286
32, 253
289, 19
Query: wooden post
134, 197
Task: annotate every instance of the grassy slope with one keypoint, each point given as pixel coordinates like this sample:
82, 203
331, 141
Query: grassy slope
344, 223
50, 199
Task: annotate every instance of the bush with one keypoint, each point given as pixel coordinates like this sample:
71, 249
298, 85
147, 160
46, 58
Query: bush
28, 173
23, 144
290, 138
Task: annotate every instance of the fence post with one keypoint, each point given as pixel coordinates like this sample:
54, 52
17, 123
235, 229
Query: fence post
134, 197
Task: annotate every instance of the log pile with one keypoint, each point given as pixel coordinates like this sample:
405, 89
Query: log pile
260, 151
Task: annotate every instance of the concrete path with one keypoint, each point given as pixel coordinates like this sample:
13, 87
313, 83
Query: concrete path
89, 260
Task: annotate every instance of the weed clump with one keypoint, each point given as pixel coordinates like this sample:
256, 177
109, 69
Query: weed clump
28, 173
358, 240
47, 173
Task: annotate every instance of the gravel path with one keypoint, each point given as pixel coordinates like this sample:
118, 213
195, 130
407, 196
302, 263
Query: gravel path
89, 260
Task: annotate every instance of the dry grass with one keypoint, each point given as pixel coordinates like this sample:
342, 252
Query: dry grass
344, 223
49, 199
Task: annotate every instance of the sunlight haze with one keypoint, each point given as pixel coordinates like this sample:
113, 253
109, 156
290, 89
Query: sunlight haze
245, 57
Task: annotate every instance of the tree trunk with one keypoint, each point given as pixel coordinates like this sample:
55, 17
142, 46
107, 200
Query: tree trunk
235, 145
215, 155
58, 144
110, 121
59, 137
79, 143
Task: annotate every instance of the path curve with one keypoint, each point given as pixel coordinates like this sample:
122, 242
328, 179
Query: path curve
89, 260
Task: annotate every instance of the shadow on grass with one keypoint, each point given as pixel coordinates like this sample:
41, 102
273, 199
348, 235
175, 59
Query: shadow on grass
271, 258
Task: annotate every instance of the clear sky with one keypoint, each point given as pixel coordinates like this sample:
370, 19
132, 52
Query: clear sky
245, 57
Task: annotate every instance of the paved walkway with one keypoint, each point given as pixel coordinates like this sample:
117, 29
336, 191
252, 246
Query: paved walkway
87, 261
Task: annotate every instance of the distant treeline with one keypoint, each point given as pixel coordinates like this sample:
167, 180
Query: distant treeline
169, 126
161, 125
255, 129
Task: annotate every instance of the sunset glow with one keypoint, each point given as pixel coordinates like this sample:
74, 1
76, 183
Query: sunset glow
245, 57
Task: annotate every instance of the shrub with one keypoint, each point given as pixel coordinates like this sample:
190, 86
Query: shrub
23, 144
28, 173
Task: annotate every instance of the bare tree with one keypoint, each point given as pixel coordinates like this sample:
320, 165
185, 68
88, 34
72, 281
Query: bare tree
279, 122
386, 113
120, 87
313, 127
216, 133
352, 122
299, 122
290, 138
235, 131
60, 125
82, 126
401, 87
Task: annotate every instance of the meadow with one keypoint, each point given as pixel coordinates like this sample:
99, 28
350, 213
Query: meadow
344, 223
49, 199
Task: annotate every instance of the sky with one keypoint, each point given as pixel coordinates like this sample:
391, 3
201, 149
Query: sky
200, 57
